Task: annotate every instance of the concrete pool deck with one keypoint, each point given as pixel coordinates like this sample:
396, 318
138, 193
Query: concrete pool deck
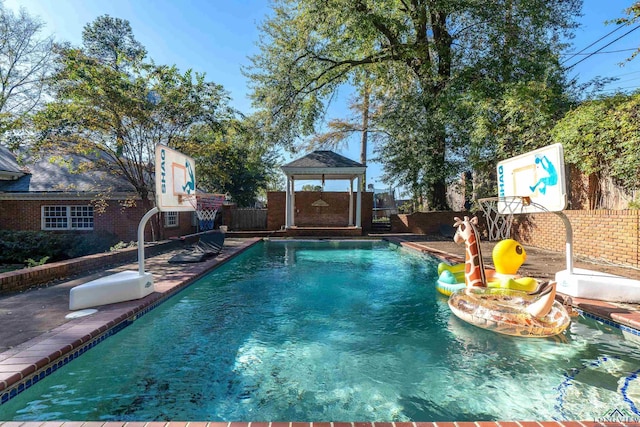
36, 338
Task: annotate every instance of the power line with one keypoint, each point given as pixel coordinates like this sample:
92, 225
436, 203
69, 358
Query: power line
626, 74
618, 89
607, 45
608, 51
601, 38
634, 79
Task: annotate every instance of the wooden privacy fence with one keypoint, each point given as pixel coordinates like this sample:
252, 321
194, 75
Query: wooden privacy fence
248, 219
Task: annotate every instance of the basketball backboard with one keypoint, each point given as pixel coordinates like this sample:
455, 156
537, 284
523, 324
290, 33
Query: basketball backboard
538, 175
175, 178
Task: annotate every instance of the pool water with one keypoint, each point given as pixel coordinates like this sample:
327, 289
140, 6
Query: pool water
333, 331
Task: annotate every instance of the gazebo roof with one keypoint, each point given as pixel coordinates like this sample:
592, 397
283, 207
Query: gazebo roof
323, 164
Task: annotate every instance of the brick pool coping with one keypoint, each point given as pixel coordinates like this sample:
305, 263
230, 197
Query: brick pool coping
26, 364
321, 424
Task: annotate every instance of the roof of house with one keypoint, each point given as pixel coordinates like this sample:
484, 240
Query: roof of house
9, 166
45, 176
319, 164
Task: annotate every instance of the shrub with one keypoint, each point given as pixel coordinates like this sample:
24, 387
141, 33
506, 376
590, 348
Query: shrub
18, 246
122, 245
33, 263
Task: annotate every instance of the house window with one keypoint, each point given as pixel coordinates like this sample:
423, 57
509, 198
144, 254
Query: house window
171, 219
67, 217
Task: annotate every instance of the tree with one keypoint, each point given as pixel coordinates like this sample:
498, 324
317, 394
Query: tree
118, 107
428, 53
25, 65
601, 138
111, 42
340, 130
311, 187
633, 16
232, 160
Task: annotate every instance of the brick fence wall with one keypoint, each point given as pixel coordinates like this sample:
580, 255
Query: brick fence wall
20, 280
610, 235
425, 222
336, 214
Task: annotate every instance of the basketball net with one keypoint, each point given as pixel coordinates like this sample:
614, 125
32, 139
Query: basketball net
499, 212
206, 207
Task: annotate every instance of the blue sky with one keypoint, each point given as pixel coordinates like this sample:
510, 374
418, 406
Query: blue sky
217, 36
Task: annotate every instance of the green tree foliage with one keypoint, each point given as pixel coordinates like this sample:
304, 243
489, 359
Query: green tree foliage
311, 187
234, 160
312, 47
602, 137
430, 63
25, 64
112, 104
111, 42
633, 16
513, 88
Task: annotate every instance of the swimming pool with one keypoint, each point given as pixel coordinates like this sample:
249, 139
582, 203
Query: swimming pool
332, 331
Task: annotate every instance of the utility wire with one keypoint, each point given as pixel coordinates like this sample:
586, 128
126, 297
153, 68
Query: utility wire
607, 45
608, 51
601, 38
619, 89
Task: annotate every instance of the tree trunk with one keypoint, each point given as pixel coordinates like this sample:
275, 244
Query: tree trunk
438, 190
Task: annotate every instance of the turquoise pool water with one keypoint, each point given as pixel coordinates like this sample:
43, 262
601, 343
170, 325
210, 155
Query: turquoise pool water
333, 331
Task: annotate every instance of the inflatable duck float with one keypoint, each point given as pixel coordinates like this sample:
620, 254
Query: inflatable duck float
508, 255
506, 311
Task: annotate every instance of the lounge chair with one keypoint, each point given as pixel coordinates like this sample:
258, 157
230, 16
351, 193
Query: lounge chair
211, 243
208, 245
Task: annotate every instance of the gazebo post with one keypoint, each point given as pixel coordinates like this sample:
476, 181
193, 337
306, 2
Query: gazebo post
351, 202
359, 203
293, 202
287, 205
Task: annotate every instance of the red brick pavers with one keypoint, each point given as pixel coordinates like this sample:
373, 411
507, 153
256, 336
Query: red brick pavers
325, 424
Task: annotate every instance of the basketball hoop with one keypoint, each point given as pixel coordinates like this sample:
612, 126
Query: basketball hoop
205, 206
499, 212
498, 224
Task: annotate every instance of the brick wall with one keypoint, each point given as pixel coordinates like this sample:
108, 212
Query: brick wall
334, 215
426, 222
611, 235
116, 219
276, 202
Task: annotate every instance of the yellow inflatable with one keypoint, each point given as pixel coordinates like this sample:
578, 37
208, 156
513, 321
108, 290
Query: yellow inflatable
508, 256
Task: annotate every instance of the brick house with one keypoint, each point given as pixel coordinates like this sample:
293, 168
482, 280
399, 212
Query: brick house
44, 195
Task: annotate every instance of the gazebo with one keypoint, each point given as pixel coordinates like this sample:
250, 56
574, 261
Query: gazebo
324, 165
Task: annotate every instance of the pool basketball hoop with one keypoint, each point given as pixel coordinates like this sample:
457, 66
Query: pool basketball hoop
499, 212
206, 207
175, 180
533, 182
